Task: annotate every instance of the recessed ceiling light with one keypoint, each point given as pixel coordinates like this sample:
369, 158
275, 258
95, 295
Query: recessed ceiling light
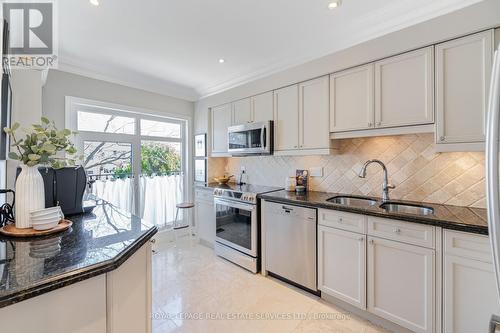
94, 2
334, 4
221, 61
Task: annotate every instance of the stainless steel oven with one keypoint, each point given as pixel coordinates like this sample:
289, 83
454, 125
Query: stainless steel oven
251, 139
236, 225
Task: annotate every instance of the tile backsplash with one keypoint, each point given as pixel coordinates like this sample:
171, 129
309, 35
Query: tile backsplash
418, 172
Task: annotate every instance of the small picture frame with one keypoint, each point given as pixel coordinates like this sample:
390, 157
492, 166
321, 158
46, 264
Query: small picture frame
200, 171
200, 145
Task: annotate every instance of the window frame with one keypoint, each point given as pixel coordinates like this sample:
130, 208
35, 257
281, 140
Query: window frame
75, 104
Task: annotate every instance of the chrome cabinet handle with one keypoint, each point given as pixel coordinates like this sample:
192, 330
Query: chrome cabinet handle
397, 230
361, 239
372, 241
379, 123
369, 124
340, 219
442, 138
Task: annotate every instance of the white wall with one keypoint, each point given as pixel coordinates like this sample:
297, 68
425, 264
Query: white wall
26, 106
477, 17
61, 84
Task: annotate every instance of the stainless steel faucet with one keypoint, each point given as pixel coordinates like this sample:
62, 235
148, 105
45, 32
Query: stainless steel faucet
386, 186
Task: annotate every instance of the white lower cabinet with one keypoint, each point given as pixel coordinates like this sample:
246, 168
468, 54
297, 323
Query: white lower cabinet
205, 216
342, 265
469, 292
401, 283
117, 301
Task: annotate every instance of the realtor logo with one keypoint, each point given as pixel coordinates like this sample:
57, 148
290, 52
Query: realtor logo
31, 32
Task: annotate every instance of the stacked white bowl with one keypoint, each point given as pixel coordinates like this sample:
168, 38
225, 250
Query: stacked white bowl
47, 218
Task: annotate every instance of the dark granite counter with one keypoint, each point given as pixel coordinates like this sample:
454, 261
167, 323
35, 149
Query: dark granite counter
450, 217
97, 243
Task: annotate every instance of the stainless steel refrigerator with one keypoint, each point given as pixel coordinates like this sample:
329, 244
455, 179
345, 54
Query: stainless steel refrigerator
492, 177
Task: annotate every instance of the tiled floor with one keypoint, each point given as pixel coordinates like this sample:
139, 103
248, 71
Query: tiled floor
195, 291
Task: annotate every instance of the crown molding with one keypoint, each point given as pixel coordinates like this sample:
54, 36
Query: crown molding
390, 18
141, 82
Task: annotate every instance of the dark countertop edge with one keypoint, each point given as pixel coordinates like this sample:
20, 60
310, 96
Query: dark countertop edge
408, 218
79, 275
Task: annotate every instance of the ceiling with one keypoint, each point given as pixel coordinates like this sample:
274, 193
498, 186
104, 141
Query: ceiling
173, 46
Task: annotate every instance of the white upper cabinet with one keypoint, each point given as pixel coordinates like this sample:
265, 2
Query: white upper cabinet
342, 265
221, 120
404, 89
262, 107
313, 114
463, 70
242, 111
401, 283
286, 118
351, 99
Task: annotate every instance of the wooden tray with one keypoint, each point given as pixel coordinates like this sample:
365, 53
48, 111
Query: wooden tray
12, 231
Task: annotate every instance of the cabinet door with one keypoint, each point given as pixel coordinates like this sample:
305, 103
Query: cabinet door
470, 296
341, 265
404, 89
287, 118
314, 116
463, 70
262, 107
351, 99
242, 111
205, 220
221, 120
401, 283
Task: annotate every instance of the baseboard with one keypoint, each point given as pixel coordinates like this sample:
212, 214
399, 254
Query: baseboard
388, 325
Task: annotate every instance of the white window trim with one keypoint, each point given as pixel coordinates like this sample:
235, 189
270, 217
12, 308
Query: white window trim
72, 104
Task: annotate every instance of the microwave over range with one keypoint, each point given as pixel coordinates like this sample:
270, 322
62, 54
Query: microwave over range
251, 139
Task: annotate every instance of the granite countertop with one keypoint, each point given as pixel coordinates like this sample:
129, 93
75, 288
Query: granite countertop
97, 243
450, 217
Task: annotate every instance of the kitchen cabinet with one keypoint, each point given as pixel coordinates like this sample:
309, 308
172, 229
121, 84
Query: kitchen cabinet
129, 297
342, 265
314, 103
352, 99
286, 106
221, 120
463, 70
301, 116
242, 111
395, 92
401, 283
404, 89
253, 109
469, 291
262, 107
117, 301
205, 216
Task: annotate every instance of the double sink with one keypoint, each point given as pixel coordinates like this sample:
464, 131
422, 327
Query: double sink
388, 206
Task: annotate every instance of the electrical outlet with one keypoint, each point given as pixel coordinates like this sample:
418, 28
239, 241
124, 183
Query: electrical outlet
316, 172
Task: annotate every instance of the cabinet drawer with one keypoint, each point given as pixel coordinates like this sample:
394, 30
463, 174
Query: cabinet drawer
406, 232
204, 195
467, 245
342, 220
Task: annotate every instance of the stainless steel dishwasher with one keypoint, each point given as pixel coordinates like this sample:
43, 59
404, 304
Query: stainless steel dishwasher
290, 236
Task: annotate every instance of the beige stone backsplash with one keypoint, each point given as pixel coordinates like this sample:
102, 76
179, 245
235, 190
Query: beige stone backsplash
419, 173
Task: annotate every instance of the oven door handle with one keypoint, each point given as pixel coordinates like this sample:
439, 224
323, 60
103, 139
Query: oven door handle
235, 204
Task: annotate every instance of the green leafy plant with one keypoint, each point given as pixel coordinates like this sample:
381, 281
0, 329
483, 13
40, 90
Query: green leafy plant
156, 159
41, 145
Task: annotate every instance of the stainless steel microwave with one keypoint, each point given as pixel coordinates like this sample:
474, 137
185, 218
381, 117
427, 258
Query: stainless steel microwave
251, 139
